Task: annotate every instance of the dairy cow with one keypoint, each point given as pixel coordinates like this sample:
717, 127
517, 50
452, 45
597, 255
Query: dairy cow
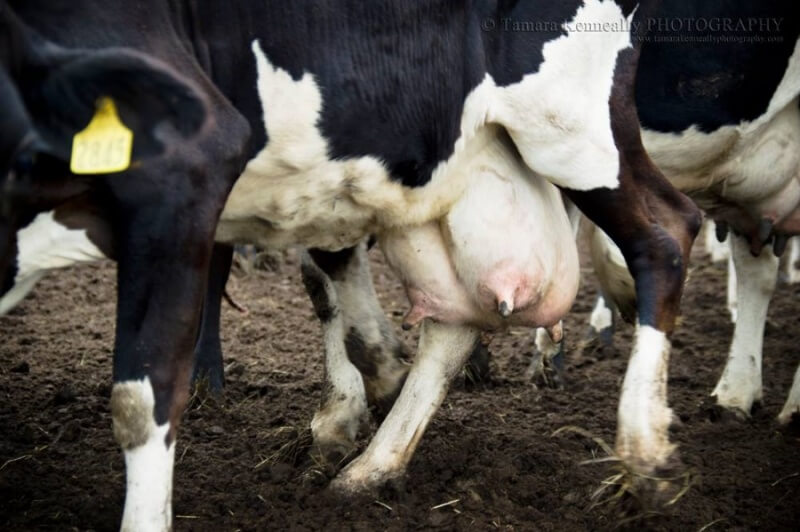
720, 113
337, 119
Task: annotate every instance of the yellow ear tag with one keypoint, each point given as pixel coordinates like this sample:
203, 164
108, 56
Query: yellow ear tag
105, 145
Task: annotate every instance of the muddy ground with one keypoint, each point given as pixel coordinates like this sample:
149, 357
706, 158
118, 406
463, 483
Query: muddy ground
490, 449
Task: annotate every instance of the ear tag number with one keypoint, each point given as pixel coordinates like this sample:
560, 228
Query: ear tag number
105, 145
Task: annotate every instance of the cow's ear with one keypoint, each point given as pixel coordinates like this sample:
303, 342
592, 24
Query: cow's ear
153, 100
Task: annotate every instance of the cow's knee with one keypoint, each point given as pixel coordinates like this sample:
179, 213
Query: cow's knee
369, 339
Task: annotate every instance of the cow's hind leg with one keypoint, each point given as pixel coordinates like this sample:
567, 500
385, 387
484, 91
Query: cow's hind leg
547, 364
443, 350
208, 364
739, 387
364, 360
602, 322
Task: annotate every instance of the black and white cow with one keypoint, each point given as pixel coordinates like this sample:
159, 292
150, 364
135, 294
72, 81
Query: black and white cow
393, 119
721, 119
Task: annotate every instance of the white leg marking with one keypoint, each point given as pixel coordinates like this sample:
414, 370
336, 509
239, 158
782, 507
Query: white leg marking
148, 459
733, 303
643, 416
740, 384
44, 245
792, 405
793, 261
545, 344
338, 421
719, 251
148, 493
443, 350
602, 316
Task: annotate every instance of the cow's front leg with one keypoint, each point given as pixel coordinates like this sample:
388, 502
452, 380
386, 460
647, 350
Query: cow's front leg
161, 288
164, 220
443, 350
364, 360
740, 384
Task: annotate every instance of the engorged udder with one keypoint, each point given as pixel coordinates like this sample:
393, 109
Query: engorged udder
504, 255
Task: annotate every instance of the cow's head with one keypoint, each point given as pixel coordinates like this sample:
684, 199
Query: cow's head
49, 93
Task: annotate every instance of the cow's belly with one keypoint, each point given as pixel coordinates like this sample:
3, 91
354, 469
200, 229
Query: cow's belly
284, 199
507, 240
292, 192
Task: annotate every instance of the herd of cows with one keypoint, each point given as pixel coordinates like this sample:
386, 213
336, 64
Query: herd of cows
464, 146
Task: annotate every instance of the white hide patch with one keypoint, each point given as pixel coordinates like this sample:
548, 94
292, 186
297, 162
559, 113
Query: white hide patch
750, 164
148, 460
45, 245
293, 193
643, 414
559, 117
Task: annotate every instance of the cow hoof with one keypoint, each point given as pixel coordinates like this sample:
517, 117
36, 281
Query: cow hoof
331, 456
546, 372
360, 477
208, 383
636, 493
790, 422
718, 413
350, 485
603, 338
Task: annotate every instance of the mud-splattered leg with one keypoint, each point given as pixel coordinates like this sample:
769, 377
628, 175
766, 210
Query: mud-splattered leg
364, 360
740, 384
443, 350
